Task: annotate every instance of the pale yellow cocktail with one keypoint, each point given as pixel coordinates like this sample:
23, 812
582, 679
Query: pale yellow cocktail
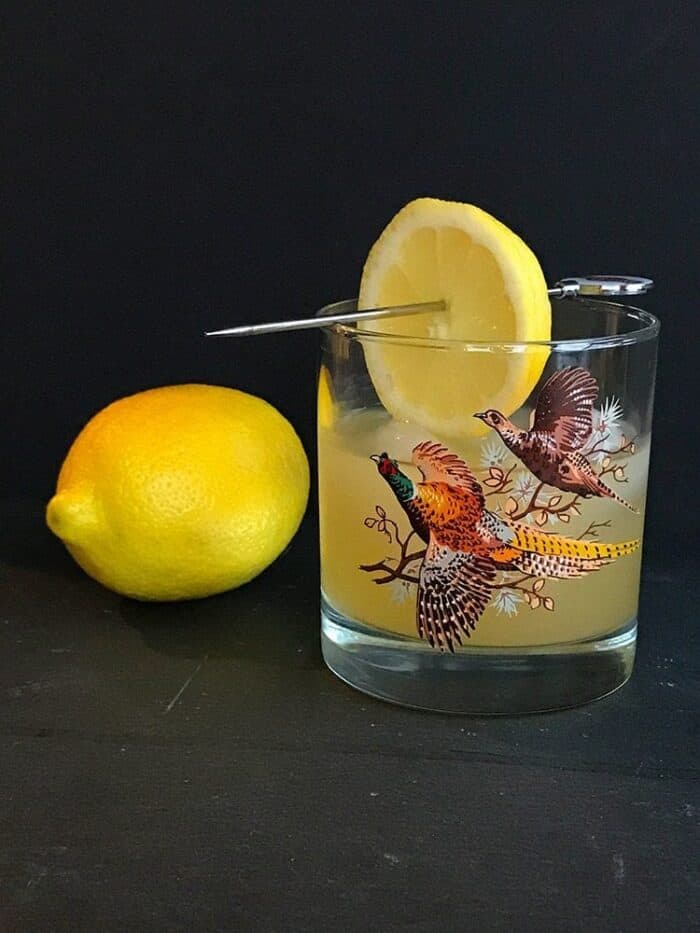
364, 529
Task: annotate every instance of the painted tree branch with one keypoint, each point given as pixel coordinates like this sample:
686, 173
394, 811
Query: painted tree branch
542, 510
382, 523
499, 481
625, 447
532, 595
617, 470
592, 529
386, 566
515, 515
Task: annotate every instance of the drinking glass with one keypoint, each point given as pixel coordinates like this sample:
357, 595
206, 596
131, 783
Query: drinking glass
468, 569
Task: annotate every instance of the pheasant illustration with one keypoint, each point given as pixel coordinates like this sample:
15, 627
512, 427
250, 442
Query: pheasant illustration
561, 425
467, 545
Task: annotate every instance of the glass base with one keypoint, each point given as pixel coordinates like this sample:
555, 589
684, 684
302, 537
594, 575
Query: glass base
480, 681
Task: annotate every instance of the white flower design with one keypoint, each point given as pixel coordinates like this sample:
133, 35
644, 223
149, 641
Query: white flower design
492, 454
507, 602
524, 484
610, 415
400, 590
607, 429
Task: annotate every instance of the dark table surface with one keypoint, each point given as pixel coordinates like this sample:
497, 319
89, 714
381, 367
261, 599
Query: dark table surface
195, 767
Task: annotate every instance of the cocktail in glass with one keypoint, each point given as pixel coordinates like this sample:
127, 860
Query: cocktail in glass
492, 568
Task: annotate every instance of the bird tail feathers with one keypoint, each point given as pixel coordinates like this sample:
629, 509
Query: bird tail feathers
556, 565
611, 494
549, 555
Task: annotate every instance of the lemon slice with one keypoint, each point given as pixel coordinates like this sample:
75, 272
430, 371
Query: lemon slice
325, 407
494, 290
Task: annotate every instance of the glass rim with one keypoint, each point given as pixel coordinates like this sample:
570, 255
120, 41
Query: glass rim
648, 329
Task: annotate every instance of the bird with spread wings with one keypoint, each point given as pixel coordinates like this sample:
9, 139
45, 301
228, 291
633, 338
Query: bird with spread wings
561, 425
468, 545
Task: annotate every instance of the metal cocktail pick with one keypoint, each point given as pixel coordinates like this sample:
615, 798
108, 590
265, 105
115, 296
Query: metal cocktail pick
587, 286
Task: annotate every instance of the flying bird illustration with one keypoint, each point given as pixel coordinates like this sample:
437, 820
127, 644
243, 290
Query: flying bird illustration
467, 545
561, 425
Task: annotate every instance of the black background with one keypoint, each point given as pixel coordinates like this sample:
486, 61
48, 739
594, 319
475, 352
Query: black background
172, 168
168, 169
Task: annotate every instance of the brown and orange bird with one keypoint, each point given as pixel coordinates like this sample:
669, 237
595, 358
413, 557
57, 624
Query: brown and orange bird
562, 423
467, 544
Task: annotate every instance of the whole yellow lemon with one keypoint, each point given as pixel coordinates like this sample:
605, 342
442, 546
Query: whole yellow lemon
180, 492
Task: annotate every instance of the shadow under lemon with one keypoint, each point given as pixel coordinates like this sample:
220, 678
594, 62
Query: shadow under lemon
274, 618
